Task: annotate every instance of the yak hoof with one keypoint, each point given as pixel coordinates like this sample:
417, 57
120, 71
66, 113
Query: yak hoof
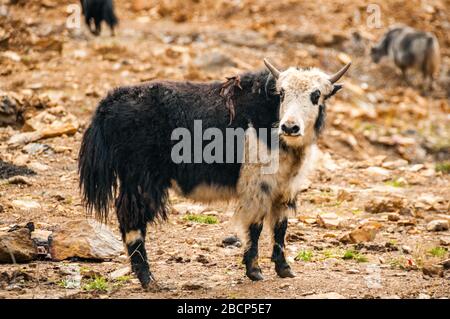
146, 278
255, 275
285, 272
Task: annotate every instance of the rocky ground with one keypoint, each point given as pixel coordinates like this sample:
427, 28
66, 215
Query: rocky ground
373, 223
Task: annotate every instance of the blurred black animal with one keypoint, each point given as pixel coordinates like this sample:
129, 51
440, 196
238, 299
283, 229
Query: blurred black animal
99, 11
410, 49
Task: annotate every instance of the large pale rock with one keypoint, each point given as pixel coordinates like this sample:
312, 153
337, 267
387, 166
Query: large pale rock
87, 239
17, 246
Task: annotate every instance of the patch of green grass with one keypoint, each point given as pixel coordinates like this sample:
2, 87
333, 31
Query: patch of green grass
356, 211
395, 263
443, 167
330, 253
438, 252
123, 279
64, 283
396, 183
304, 255
351, 254
120, 281
393, 242
84, 269
202, 219
99, 284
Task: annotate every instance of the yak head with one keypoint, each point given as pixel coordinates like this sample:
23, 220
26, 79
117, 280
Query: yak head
303, 93
376, 53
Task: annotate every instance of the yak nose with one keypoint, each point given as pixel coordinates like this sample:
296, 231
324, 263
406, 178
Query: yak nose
290, 128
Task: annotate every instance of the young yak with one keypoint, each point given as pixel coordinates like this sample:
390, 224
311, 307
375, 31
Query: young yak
126, 153
99, 11
410, 49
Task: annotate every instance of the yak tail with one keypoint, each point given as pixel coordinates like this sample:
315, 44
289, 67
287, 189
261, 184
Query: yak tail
109, 15
98, 177
432, 57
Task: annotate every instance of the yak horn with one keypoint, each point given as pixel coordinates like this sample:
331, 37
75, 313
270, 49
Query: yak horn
272, 69
335, 77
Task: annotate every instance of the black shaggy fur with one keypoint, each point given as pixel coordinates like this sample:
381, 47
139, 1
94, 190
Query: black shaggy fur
98, 11
129, 140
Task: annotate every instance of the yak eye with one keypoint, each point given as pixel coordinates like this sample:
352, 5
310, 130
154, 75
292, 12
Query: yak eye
281, 95
315, 97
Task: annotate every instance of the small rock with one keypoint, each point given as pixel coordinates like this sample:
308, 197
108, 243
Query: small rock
13, 56
120, 273
231, 241
17, 246
352, 271
378, 171
202, 259
423, 296
430, 200
193, 286
85, 239
406, 249
406, 211
393, 217
446, 264
9, 110
444, 241
406, 222
438, 225
329, 220
35, 148
26, 205
395, 164
36, 166
343, 195
20, 180
433, 270
21, 160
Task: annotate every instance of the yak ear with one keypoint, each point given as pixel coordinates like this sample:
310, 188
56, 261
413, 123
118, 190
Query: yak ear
270, 86
336, 88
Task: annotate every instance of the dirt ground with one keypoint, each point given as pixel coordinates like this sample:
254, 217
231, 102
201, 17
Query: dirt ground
383, 139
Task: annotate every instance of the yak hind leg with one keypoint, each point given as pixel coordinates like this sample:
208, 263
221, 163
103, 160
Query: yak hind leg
134, 240
253, 271
279, 224
133, 227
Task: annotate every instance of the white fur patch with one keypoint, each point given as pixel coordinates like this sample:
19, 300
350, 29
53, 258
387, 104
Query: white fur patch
133, 236
207, 193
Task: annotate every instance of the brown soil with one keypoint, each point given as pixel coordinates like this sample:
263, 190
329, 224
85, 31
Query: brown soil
76, 70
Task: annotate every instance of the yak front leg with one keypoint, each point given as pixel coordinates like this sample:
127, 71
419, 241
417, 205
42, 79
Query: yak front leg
253, 271
279, 223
